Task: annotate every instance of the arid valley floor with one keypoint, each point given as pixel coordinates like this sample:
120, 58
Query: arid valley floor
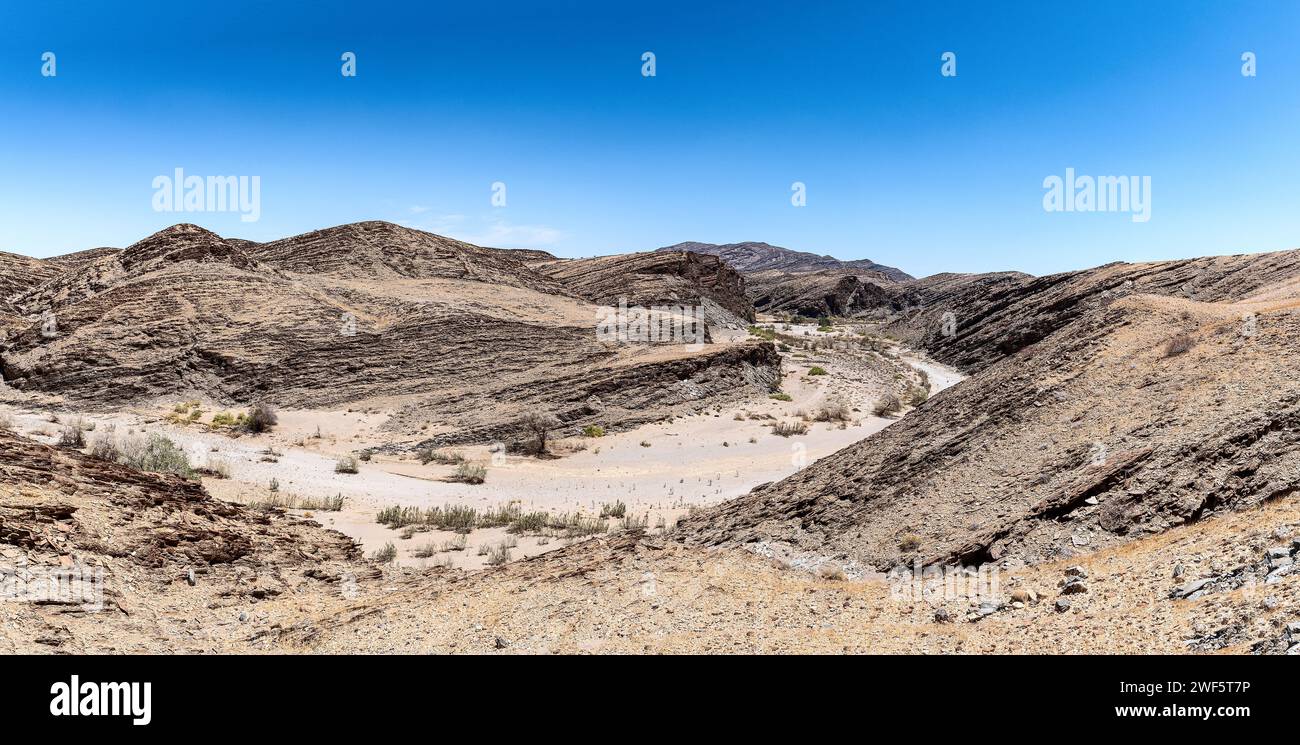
454, 461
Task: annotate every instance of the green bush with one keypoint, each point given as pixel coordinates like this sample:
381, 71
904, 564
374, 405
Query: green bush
470, 473
592, 430
385, 555
815, 370
157, 454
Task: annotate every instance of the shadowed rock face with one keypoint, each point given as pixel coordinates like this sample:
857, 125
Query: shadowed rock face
779, 280
1077, 429
657, 278
823, 293
456, 339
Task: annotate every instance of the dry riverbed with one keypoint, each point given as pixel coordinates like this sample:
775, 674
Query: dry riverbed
657, 472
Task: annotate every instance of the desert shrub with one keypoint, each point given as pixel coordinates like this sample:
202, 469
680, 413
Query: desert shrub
216, 468
579, 526
617, 509
261, 418
281, 501
274, 486
399, 517
917, 396
789, 429
817, 370
763, 333
326, 504
835, 410
6, 423
887, 405
500, 516
909, 542
470, 473
593, 430
780, 397
453, 517
73, 435
385, 555
636, 524
498, 555
539, 425
429, 455
346, 464
104, 446
529, 522
156, 454
645, 443
425, 551
1179, 344
454, 544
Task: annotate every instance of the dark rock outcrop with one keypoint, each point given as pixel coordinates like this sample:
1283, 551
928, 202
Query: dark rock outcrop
658, 278
752, 256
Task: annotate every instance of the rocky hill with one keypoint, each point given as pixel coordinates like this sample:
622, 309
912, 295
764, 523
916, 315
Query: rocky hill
18, 273
1100, 411
458, 341
382, 250
779, 280
753, 256
659, 278
832, 292
995, 315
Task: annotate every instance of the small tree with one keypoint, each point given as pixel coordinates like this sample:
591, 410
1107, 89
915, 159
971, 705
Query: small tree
539, 425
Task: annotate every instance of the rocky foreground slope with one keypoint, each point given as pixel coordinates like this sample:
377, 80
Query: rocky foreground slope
176, 570
459, 342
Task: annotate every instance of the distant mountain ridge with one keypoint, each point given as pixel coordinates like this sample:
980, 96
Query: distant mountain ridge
756, 256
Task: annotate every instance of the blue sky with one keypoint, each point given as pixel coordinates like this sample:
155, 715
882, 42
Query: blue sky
902, 165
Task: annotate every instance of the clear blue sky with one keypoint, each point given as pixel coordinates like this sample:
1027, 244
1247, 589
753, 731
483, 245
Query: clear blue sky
902, 165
